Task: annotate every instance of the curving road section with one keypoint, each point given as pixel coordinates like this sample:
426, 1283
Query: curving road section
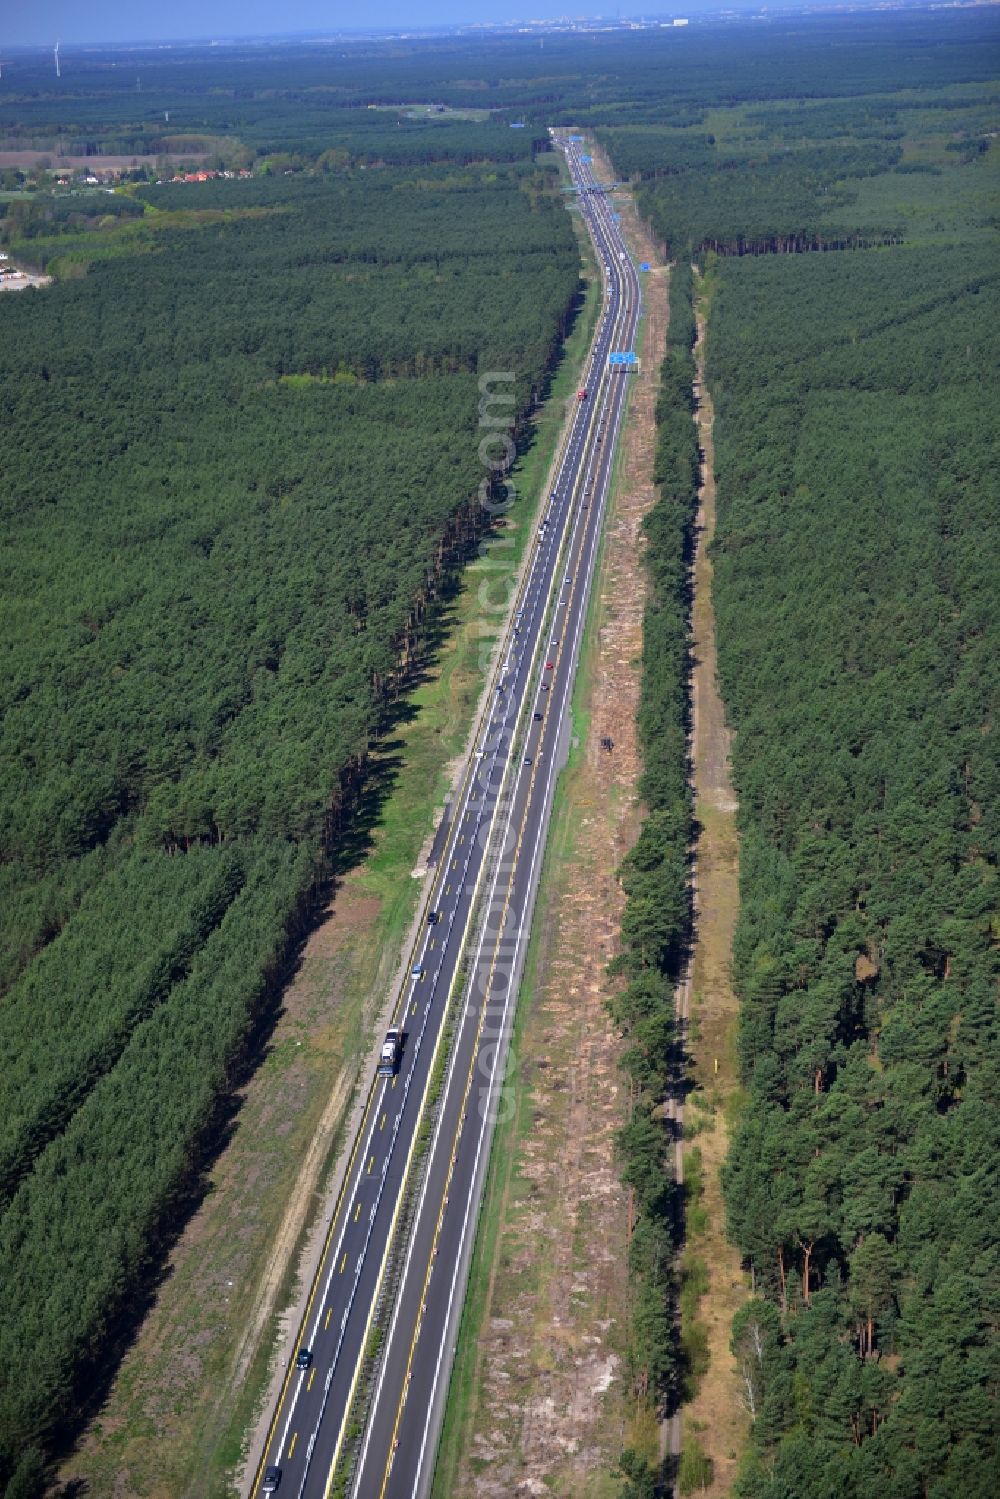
362, 1414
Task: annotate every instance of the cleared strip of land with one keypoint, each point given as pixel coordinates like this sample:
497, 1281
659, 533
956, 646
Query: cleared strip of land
712, 1283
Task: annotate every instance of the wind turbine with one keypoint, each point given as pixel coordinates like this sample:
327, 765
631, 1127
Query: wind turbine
56, 56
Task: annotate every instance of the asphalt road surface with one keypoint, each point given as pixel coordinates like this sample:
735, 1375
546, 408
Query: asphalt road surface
374, 1283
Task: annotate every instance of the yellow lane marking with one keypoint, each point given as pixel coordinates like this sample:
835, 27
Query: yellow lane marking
455, 1139
317, 1280
312, 1376
329, 1314
519, 605
395, 1079
291, 1445
475, 1051
381, 1123
413, 1011
523, 595
357, 1212
370, 1165
342, 1264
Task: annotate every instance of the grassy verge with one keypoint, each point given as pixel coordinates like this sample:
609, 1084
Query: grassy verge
443, 708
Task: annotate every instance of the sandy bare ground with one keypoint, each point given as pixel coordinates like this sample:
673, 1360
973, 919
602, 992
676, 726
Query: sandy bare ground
715, 1415
177, 1384
550, 1410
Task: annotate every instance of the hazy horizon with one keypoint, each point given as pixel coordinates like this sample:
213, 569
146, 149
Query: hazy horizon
110, 22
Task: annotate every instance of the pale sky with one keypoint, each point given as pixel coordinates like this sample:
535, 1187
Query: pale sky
45, 21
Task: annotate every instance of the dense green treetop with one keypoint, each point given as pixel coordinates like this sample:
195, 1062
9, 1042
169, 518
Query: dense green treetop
856, 578
242, 458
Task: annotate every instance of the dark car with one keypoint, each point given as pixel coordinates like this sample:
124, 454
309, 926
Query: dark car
433, 917
537, 717
303, 1358
272, 1479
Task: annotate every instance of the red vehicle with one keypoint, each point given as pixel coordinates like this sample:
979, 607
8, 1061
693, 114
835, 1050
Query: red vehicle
581, 395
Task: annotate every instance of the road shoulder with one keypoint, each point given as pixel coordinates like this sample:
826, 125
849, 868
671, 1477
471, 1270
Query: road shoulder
537, 1391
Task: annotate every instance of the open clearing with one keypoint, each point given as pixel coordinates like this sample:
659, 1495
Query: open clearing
714, 1417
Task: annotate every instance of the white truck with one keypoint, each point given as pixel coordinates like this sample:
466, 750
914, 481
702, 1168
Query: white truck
388, 1060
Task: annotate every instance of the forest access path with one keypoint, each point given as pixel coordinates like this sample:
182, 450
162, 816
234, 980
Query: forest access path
706, 1003
361, 1409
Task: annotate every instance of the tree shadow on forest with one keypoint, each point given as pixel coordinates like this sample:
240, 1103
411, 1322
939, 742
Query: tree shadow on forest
386, 759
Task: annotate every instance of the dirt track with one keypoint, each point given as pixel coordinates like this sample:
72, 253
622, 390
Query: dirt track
715, 1415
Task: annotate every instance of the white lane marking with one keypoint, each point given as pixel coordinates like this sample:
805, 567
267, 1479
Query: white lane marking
616, 410
590, 548
364, 1250
321, 1301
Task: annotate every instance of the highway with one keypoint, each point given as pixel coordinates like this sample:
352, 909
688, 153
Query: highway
363, 1415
